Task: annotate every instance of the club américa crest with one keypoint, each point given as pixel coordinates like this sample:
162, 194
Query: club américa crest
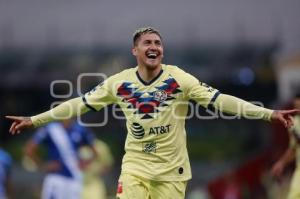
146, 103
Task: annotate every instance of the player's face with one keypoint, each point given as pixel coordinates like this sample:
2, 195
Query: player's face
148, 51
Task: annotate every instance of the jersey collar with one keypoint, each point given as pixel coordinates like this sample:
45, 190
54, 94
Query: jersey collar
150, 82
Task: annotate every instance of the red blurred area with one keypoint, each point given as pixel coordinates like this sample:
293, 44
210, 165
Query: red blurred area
247, 179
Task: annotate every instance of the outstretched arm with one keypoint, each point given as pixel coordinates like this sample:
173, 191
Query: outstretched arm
66, 110
233, 105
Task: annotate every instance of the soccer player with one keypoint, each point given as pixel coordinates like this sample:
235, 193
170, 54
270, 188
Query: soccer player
93, 184
5, 170
154, 98
291, 153
62, 140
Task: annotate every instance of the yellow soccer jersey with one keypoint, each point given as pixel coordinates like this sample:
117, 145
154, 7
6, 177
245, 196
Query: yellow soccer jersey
155, 114
295, 138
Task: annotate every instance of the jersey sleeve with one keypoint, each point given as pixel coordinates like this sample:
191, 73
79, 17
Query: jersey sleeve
200, 92
238, 107
100, 96
66, 110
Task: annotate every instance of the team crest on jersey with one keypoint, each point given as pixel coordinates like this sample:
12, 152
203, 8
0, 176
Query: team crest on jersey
160, 95
147, 103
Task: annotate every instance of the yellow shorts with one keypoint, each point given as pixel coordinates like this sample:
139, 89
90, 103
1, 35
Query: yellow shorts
133, 187
294, 192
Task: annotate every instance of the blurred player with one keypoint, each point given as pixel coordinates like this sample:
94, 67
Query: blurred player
62, 140
5, 169
154, 98
93, 185
291, 153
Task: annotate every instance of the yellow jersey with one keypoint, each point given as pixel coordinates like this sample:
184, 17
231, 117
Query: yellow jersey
155, 114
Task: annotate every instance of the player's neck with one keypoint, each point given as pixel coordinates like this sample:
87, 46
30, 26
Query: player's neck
148, 74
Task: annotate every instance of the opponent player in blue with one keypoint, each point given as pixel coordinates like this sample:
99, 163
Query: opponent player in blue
62, 140
5, 168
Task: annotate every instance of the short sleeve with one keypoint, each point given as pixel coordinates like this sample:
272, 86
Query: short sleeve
99, 97
201, 92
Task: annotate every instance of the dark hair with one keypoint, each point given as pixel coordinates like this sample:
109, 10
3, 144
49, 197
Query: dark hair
297, 94
141, 31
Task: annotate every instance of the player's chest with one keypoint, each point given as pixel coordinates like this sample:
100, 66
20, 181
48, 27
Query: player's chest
151, 99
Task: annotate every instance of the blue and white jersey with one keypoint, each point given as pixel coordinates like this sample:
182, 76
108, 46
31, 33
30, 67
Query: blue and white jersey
5, 167
63, 144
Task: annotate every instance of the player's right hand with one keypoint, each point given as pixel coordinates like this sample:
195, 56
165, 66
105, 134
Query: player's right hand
19, 124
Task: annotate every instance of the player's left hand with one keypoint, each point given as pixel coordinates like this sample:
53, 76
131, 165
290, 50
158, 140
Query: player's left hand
285, 117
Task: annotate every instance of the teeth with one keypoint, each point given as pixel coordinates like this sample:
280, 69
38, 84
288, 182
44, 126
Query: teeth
152, 55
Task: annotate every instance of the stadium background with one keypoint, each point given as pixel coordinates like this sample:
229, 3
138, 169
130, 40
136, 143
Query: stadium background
249, 49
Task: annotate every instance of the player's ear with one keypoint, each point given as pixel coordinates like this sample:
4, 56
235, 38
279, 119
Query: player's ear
134, 51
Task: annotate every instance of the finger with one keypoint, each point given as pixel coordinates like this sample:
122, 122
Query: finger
291, 118
291, 112
19, 127
13, 131
289, 124
282, 120
290, 121
16, 118
12, 126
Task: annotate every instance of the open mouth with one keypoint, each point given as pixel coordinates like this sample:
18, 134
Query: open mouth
152, 55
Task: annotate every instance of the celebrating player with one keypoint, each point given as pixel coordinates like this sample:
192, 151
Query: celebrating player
153, 97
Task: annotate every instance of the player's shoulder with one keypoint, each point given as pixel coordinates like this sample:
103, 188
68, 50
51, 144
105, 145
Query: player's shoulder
173, 69
123, 74
178, 73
